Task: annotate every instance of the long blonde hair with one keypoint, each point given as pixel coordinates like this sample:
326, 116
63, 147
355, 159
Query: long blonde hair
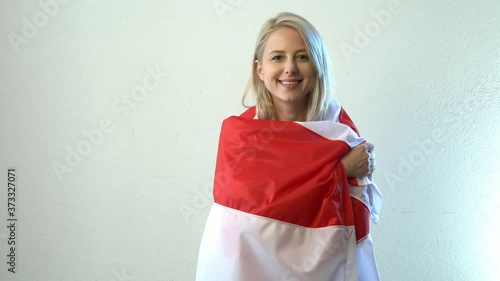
320, 95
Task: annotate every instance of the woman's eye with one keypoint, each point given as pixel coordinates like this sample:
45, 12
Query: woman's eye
277, 57
303, 57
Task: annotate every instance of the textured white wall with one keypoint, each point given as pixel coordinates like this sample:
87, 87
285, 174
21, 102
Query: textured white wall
110, 113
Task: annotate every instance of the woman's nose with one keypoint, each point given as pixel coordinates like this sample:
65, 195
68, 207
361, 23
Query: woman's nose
290, 67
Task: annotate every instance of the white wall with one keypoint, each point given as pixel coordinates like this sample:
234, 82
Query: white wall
424, 88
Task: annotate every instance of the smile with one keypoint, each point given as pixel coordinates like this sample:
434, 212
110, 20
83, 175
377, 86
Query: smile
289, 82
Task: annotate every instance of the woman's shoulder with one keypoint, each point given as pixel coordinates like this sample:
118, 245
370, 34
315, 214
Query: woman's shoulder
250, 113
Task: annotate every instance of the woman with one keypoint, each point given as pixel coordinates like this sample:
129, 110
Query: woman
292, 192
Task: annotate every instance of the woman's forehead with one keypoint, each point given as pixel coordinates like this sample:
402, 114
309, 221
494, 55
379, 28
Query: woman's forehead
285, 39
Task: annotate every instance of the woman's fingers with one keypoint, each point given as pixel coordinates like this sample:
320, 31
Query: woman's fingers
369, 147
371, 157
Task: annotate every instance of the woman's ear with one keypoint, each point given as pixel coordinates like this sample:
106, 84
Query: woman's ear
260, 72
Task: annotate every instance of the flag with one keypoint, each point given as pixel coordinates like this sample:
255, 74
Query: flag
284, 208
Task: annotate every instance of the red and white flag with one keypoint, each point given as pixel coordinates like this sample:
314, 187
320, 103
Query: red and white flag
283, 206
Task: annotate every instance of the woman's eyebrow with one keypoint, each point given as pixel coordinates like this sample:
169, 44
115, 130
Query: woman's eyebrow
281, 51
277, 52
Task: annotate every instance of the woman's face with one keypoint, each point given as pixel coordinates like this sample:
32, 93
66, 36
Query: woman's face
286, 69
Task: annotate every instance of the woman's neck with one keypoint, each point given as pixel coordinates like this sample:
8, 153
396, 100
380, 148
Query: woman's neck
291, 111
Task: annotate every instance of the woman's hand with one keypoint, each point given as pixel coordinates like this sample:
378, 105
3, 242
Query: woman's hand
360, 161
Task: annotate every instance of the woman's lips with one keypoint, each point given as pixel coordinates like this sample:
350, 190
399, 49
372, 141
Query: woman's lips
289, 83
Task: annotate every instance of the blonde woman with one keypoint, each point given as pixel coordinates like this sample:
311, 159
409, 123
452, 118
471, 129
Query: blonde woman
293, 193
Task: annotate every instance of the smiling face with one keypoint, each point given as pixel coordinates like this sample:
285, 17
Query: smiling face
286, 69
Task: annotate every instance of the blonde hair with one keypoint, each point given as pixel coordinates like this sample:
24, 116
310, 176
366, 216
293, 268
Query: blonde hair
320, 95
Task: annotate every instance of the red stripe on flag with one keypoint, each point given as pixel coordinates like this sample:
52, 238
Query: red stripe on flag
346, 120
282, 171
361, 218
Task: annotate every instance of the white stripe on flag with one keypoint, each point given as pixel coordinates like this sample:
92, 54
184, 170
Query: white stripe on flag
366, 261
246, 247
334, 131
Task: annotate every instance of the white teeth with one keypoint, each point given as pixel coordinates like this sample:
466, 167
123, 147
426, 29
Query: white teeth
289, 83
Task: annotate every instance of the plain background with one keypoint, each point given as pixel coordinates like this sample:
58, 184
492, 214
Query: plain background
423, 86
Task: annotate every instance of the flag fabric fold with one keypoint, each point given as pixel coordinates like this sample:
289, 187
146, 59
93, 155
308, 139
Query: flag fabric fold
284, 208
